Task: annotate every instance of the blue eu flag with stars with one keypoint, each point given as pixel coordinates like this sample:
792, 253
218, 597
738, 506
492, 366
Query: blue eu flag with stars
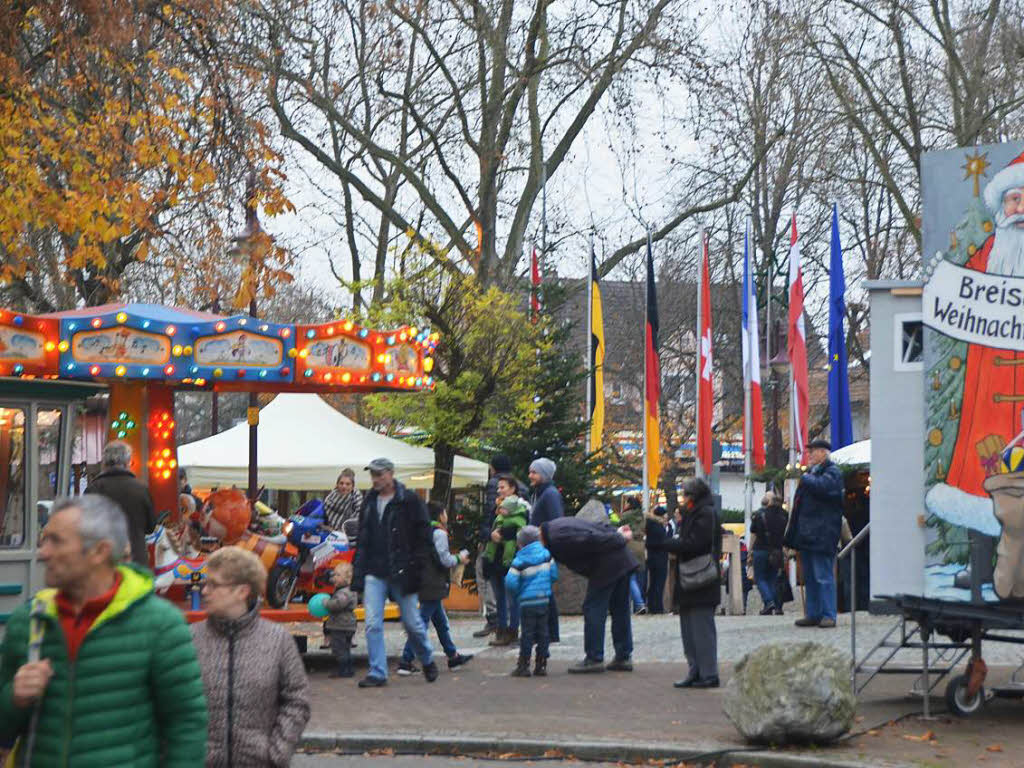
838, 375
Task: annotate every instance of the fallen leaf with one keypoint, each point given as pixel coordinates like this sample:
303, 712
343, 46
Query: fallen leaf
926, 736
994, 748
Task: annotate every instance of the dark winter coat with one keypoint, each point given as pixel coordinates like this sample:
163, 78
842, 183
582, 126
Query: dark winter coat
436, 580
401, 538
341, 611
769, 527
698, 534
256, 690
594, 550
656, 535
132, 496
817, 518
547, 504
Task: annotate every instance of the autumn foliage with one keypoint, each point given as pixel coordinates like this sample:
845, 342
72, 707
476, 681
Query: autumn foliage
115, 117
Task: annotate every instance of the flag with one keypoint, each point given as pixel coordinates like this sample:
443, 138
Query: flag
704, 365
838, 375
652, 378
534, 287
752, 361
596, 358
796, 348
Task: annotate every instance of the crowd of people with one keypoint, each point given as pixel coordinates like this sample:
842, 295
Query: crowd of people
96, 665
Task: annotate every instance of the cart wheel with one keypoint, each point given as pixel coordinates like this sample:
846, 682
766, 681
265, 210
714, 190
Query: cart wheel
959, 702
280, 586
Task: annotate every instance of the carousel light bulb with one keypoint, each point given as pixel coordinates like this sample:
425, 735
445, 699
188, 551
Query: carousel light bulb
330, 330
220, 326
304, 354
120, 370
96, 322
145, 371
63, 346
348, 325
169, 330
72, 326
242, 321
18, 368
146, 323
187, 350
165, 452
308, 372
310, 334
286, 332
169, 370
263, 374
346, 377
122, 317
217, 373
50, 346
167, 474
95, 370
363, 333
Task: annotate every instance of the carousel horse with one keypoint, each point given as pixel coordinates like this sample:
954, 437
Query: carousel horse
175, 556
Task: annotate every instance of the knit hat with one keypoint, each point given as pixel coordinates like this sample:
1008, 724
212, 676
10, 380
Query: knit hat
543, 467
512, 502
527, 535
501, 463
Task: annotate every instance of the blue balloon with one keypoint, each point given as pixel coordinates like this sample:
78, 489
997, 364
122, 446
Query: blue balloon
318, 604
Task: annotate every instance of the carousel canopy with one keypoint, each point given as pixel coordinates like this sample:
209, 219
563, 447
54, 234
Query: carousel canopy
304, 443
855, 454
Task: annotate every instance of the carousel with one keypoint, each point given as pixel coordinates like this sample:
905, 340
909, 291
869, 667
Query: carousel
142, 355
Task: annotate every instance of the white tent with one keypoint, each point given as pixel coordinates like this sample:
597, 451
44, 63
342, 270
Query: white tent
855, 454
304, 443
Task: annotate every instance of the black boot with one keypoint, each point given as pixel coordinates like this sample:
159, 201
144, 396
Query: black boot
540, 667
522, 667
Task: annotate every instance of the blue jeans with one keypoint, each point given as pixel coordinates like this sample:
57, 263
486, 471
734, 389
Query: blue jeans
598, 602
765, 576
820, 584
375, 592
508, 606
636, 594
433, 611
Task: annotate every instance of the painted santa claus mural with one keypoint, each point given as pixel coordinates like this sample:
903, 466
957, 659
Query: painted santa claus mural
973, 305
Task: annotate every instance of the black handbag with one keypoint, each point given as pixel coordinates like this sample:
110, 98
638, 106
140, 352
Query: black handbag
697, 573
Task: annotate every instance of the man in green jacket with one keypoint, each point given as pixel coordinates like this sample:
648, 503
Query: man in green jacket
113, 680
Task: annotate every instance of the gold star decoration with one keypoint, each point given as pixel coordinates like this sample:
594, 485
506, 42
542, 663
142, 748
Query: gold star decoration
976, 166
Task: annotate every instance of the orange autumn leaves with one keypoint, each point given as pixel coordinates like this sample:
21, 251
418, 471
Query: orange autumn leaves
114, 117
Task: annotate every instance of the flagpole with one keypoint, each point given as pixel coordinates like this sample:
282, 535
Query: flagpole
589, 341
701, 470
748, 433
646, 495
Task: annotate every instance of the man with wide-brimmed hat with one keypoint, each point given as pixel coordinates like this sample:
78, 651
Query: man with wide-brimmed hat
814, 529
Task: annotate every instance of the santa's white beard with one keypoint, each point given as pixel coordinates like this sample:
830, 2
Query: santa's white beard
1007, 254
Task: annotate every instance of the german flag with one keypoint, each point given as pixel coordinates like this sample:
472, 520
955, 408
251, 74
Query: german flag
596, 358
652, 379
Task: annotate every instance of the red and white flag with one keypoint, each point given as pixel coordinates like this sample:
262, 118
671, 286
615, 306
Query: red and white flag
796, 348
752, 361
534, 287
704, 366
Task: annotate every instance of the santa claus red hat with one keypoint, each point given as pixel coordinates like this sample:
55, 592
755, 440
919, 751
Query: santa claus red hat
1010, 177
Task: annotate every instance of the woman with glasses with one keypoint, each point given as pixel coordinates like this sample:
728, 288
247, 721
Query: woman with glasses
256, 687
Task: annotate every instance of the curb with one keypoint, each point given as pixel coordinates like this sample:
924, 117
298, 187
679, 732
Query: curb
720, 755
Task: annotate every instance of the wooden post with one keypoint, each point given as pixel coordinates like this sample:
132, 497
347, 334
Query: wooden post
731, 547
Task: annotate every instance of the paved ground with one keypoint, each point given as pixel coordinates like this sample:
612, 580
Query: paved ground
482, 701
419, 761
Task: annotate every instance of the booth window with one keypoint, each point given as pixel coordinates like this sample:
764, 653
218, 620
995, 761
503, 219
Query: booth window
48, 422
909, 346
12, 478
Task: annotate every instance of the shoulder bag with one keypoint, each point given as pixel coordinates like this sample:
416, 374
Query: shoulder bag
701, 571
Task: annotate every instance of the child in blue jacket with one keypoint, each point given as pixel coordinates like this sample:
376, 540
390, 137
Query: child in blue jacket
530, 577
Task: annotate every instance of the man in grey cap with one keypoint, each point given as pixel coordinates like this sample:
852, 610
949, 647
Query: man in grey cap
392, 549
546, 505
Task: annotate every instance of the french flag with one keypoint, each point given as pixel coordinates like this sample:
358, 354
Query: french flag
751, 360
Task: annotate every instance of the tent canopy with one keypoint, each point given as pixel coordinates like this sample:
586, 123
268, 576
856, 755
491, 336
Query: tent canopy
855, 454
304, 443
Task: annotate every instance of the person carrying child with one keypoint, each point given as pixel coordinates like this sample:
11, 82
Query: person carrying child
435, 583
341, 619
513, 514
529, 581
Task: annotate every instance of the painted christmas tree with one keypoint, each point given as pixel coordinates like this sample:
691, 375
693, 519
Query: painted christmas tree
944, 376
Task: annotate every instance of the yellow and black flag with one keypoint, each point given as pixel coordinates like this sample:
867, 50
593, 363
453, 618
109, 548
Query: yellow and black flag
596, 394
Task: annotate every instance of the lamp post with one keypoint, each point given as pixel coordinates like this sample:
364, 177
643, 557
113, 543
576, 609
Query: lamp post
244, 249
778, 368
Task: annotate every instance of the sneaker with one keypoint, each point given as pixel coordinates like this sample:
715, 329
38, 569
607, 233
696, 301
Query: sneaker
806, 622
641, 611
827, 623
370, 681
768, 610
430, 671
685, 682
488, 629
458, 660
406, 668
620, 665
587, 666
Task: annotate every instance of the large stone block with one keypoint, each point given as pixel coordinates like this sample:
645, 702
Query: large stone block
784, 694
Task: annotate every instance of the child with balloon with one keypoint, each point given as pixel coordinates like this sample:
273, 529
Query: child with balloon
341, 618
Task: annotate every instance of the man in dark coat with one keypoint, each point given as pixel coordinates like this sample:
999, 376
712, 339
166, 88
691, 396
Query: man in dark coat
598, 552
814, 530
116, 482
546, 505
392, 552
657, 559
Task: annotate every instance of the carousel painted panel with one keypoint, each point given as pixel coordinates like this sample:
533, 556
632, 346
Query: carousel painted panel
120, 345
973, 314
238, 348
